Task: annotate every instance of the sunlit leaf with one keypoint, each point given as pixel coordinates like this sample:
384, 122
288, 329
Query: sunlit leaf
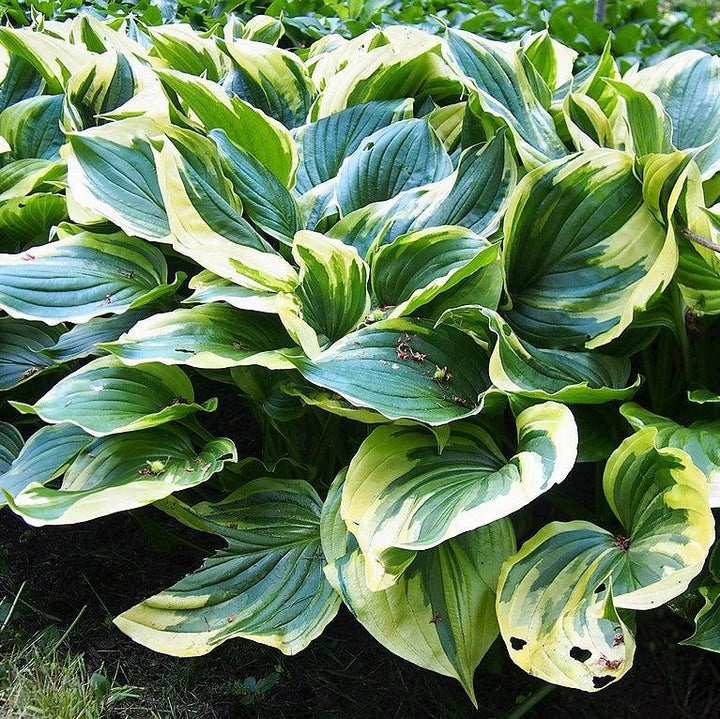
106, 397
266, 585
404, 494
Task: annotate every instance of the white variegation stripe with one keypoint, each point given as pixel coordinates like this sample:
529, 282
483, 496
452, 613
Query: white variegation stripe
402, 495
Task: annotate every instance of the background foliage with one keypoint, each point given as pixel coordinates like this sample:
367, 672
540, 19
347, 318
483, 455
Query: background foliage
642, 29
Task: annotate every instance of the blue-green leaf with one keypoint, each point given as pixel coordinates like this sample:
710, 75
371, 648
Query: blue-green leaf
267, 584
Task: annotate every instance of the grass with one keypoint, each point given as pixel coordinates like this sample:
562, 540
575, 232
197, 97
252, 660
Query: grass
41, 680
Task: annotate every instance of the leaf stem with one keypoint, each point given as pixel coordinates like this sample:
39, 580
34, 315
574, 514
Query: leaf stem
700, 240
600, 11
537, 696
650, 365
178, 510
194, 426
680, 310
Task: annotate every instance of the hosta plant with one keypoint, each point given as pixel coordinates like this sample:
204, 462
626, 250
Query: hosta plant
636, 28
465, 295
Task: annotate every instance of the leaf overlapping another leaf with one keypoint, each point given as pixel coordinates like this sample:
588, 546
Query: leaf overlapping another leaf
267, 584
409, 252
558, 597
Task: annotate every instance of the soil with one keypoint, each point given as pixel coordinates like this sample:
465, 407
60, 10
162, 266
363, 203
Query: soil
108, 565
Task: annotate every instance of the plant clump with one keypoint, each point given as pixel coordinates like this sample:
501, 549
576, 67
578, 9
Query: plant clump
447, 275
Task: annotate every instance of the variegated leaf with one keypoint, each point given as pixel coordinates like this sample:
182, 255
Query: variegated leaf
582, 251
45, 455
121, 472
209, 336
559, 596
266, 585
701, 440
404, 369
119, 273
106, 397
546, 374
440, 613
404, 493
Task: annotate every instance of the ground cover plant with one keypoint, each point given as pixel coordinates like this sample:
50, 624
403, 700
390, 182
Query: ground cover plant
448, 275
638, 29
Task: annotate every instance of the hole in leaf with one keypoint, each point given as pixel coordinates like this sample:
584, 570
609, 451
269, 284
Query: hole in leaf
579, 654
600, 588
517, 644
369, 146
600, 682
